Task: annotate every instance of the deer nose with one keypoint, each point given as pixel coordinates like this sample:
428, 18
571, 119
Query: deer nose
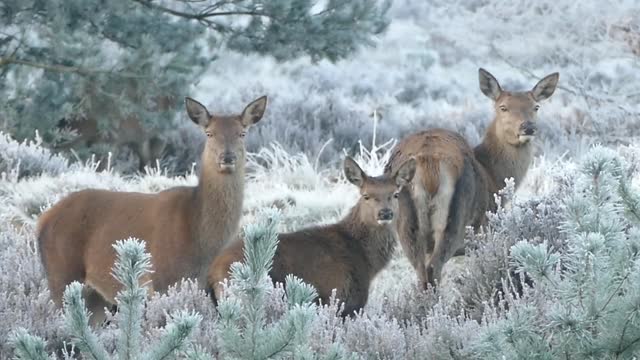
385, 214
528, 128
228, 158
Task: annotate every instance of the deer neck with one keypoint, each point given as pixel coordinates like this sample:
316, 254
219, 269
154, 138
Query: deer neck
218, 206
502, 160
377, 241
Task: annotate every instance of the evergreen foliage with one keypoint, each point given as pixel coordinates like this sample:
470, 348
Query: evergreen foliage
131, 264
584, 300
27, 346
245, 329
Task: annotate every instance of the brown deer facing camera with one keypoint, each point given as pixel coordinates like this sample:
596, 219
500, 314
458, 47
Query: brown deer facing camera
345, 256
454, 183
184, 227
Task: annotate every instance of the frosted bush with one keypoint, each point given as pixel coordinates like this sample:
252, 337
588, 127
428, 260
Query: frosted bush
24, 296
28, 158
584, 297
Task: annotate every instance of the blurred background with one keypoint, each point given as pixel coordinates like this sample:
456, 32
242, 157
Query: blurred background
96, 77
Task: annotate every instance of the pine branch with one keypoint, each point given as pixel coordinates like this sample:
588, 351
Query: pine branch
132, 264
616, 292
177, 334
623, 350
78, 323
28, 347
201, 16
630, 200
4, 61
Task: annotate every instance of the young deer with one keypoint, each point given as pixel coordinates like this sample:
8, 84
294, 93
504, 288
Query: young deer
345, 256
184, 227
455, 184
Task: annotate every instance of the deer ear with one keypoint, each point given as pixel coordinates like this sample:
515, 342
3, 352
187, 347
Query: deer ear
254, 111
353, 172
197, 112
545, 87
489, 85
406, 172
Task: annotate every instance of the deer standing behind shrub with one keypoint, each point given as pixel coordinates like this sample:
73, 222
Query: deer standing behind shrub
454, 183
184, 227
345, 256
129, 132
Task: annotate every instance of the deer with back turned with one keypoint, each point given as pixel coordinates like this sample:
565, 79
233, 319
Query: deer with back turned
183, 227
455, 184
345, 256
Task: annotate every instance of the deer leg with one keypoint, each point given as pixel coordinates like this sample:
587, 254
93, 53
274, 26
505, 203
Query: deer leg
355, 301
415, 253
97, 306
59, 281
441, 203
414, 230
461, 208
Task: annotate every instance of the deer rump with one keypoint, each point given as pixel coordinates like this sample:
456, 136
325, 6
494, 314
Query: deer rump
446, 195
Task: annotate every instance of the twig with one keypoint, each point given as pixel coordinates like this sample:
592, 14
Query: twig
615, 292
628, 346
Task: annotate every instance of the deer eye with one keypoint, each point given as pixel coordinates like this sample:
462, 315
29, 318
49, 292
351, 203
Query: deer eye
536, 108
243, 134
366, 196
396, 195
503, 108
209, 134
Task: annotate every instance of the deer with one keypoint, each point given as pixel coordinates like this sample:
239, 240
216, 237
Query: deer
128, 130
184, 227
455, 183
345, 256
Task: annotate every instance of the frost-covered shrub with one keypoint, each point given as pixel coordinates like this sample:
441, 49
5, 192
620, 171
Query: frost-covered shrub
24, 296
28, 158
585, 297
487, 262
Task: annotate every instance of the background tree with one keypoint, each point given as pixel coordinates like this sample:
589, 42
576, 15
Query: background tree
98, 72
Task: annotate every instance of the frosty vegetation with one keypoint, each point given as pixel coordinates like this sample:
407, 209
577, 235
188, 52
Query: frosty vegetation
554, 275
